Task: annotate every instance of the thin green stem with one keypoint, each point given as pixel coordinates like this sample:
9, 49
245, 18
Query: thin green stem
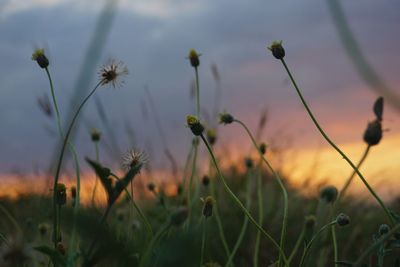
137, 208
299, 241
96, 145
218, 218
60, 159
196, 71
375, 245
351, 177
281, 185
245, 220
189, 193
203, 241
335, 248
239, 203
260, 217
383, 206
156, 237
307, 249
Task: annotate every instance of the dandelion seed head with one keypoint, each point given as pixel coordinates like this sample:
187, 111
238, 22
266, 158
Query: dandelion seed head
111, 73
133, 158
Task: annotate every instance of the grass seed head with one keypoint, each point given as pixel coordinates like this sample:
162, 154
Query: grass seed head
39, 56
194, 58
329, 194
194, 124
277, 49
112, 72
342, 219
373, 133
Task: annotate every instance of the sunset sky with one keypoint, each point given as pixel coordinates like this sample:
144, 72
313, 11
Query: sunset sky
153, 38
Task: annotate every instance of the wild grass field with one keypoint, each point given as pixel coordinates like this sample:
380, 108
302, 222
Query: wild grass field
246, 215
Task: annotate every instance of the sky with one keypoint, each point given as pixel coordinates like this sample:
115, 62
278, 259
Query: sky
153, 37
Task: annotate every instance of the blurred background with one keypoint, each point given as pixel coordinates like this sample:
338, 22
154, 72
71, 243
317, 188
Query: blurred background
343, 54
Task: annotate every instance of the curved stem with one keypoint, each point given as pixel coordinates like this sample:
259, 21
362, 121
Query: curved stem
350, 179
335, 147
260, 217
281, 185
239, 203
307, 249
153, 241
300, 239
245, 222
60, 159
374, 246
218, 218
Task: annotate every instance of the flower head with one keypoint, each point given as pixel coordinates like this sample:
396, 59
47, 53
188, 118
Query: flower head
95, 134
373, 133
208, 203
194, 58
111, 72
39, 56
194, 124
132, 158
277, 49
225, 118
342, 219
329, 194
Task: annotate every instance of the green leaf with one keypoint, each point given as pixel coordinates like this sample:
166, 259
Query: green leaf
124, 182
103, 174
53, 254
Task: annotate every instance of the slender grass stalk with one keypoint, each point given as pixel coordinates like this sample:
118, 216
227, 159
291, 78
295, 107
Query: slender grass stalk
335, 248
164, 229
299, 241
307, 249
60, 159
193, 174
11, 218
281, 185
96, 146
260, 216
138, 209
196, 71
217, 216
187, 164
375, 245
245, 220
239, 203
203, 240
351, 177
370, 189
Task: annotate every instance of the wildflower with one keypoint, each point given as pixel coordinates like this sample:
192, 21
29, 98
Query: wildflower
263, 148
95, 135
373, 133
211, 136
194, 58
277, 50
342, 219
208, 203
206, 180
39, 56
329, 194
194, 124
61, 194
225, 118
133, 158
111, 72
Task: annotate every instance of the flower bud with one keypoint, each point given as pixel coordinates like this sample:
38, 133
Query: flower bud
194, 58
225, 118
95, 135
263, 148
277, 50
329, 194
211, 136
194, 124
205, 180
61, 194
249, 163
39, 56
151, 187
373, 133
342, 219
384, 229
208, 203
